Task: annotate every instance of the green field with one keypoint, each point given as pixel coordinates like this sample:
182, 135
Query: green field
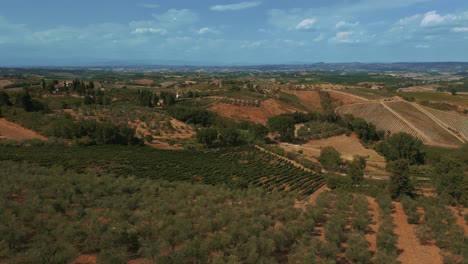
234, 167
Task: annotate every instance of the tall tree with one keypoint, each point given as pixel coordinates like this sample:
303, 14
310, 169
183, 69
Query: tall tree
402, 146
283, 125
400, 183
330, 158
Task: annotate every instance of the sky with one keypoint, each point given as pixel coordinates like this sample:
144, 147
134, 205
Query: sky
230, 32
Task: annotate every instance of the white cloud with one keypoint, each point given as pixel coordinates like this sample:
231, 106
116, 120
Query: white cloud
460, 29
422, 46
207, 30
346, 25
150, 5
252, 44
432, 19
159, 31
306, 24
351, 37
235, 7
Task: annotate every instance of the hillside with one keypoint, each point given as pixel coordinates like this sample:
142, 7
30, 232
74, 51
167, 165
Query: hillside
402, 116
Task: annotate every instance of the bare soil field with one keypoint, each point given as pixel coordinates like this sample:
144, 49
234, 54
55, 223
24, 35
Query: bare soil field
347, 98
4, 83
459, 213
408, 243
10, 130
85, 259
260, 114
144, 81
347, 146
309, 99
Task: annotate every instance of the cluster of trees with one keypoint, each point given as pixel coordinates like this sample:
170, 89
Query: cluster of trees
148, 98
193, 116
321, 126
22, 100
53, 216
89, 132
233, 135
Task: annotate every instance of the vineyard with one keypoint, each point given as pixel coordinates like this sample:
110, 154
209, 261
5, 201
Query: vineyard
381, 117
235, 167
453, 121
403, 117
432, 130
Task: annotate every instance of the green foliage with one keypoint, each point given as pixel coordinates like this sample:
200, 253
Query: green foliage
357, 249
451, 180
283, 125
53, 215
92, 131
402, 146
319, 130
400, 183
230, 137
330, 158
365, 131
207, 136
193, 116
356, 169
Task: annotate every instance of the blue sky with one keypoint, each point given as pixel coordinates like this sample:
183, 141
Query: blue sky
71, 32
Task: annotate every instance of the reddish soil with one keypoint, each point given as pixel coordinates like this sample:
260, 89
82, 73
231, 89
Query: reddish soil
346, 98
144, 81
10, 130
310, 200
4, 83
164, 145
260, 114
309, 99
371, 235
85, 259
412, 250
460, 218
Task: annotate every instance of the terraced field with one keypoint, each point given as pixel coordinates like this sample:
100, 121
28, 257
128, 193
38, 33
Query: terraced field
436, 133
404, 117
453, 121
381, 117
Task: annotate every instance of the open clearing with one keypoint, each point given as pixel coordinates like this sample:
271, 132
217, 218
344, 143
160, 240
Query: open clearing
4, 83
10, 130
346, 98
347, 146
260, 114
309, 99
144, 81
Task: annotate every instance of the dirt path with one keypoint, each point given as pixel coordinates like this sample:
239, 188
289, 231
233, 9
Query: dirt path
371, 235
412, 250
10, 130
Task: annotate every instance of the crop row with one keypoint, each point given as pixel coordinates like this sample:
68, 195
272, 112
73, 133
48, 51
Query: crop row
236, 167
451, 120
382, 118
